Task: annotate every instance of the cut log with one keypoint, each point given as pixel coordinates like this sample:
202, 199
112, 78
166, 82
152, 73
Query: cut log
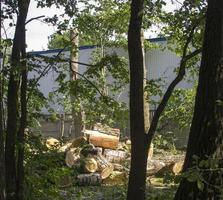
106, 129
115, 156
116, 178
65, 147
78, 142
177, 168
102, 140
72, 157
89, 150
154, 166
104, 167
118, 167
90, 165
150, 154
89, 179
52, 143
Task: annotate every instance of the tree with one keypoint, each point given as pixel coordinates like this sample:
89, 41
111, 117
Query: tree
139, 152
2, 144
205, 139
141, 139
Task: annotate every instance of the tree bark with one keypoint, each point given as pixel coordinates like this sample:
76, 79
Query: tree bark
139, 152
2, 144
205, 138
12, 106
77, 115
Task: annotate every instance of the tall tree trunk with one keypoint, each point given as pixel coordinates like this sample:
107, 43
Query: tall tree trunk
2, 145
206, 133
77, 115
137, 176
12, 101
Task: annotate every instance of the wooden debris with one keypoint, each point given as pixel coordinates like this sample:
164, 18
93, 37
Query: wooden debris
116, 178
79, 142
177, 168
65, 147
102, 140
90, 165
153, 166
93, 179
88, 150
106, 129
72, 157
115, 156
128, 142
118, 167
150, 154
52, 143
104, 167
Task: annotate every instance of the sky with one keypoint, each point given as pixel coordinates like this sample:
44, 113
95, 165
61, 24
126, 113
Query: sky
38, 32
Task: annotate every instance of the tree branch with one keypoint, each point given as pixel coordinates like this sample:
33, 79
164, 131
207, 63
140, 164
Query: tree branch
34, 18
173, 84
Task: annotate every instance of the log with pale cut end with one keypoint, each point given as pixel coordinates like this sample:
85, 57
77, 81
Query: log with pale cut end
93, 179
150, 154
177, 168
65, 147
78, 142
102, 140
104, 167
52, 143
118, 167
154, 166
116, 178
115, 156
90, 165
72, 157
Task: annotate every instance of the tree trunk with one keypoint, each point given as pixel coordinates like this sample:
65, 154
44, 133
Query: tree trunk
205, 139
77, 115
2, 144
18, 50
139, 152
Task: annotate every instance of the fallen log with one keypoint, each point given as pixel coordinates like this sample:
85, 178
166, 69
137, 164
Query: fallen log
115, 156
106, 129
116, 178
52, 143
102, 140
72, 157
154, 166
78, 142
93, 179
178, 167
89, 165
89, 150
118, 167
104, 167
65, 147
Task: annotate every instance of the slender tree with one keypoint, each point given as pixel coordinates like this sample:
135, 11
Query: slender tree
206, 133
139, 152
14, 183
2, 150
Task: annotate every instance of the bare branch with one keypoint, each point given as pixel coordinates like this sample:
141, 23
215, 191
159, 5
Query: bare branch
34, 18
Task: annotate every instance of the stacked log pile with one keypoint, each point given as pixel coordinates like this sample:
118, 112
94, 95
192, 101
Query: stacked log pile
99, 157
